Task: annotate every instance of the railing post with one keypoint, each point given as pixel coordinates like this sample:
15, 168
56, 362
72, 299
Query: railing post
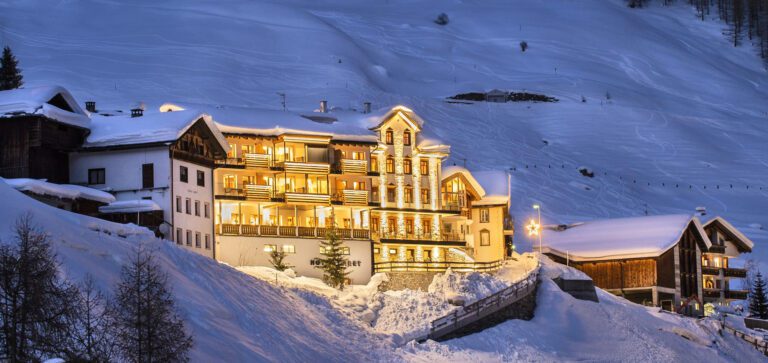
296, 230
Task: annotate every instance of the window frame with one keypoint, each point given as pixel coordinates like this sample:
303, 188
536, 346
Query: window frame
485, 215
147, 176
188, 206
200, 178
407, 138
100, 175
486, 242
189, 238
407, 166
197, 208
390, 164
288, 248
424, 167
183, 174
179, 208
207, 241
389, 136
198, 238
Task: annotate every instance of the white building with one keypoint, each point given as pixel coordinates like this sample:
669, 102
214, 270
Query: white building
164, 162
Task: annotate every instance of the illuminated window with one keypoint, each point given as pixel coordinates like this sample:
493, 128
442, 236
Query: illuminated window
230, 181
375, 224
407, 166
409, 225
390, 164
424, 167
485, 215
391, 223
392, 251
374, 164
407, 137
270, 248
425, 196
289, 248
376, 251
391, 194
426, 226
409, 195
345, 250
232, 151
485, 238
389, 137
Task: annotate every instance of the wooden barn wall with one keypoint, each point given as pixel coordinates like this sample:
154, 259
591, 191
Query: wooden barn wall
665, 269
620, 274
689, 273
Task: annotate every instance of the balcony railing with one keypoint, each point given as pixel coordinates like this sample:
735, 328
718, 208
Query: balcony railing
254, 161
438, 266
302, 167
712, 293
256, 192
307, 198
709, 270
351, 166
351, 197
736, 294
443, 237
288, 231
735, 272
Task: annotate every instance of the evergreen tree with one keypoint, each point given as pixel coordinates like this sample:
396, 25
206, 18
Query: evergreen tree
148, 327
758, 304
35, 304
10, 74
277, 259
334, 262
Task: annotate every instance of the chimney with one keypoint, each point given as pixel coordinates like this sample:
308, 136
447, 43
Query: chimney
366, 107
323, 106
90, 106
137, 112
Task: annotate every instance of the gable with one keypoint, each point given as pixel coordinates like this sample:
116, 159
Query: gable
721, 226
59, 102
200, 140
468, 185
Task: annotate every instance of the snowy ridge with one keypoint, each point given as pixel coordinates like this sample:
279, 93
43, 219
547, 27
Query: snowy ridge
64, 191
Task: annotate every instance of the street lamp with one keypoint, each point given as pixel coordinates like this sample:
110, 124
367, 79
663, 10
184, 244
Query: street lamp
534, 227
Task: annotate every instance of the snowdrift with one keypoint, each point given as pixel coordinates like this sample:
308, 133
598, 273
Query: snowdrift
233, 317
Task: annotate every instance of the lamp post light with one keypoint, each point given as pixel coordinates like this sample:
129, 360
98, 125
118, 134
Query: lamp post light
534, 227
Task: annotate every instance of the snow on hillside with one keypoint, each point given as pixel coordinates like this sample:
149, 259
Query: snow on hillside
567, 329
232, 316
685, 125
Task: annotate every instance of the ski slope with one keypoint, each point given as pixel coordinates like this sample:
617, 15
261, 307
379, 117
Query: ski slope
685, 126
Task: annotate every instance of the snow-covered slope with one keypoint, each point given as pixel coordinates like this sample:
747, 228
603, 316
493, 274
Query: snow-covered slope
233, 317
567, 329
685, 126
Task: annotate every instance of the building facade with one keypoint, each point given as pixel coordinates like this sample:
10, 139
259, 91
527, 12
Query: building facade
161, 175
717, 270
384, 191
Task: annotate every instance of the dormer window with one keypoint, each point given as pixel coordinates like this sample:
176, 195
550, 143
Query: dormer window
407, 138
389, 137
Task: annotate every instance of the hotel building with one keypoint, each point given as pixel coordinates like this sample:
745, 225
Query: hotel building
383, 187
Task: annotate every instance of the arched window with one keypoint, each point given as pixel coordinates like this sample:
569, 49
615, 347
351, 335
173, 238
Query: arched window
389, 137
390, 164
709, 284
407, 166
485, 238
407, 137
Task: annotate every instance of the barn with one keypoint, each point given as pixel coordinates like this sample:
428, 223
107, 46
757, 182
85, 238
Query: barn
650, 260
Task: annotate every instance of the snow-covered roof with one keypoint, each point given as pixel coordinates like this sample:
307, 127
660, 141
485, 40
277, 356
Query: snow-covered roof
742, 241
492, 186
130, 206
42, 101
152, 127
607, 239
63, 191
496, 186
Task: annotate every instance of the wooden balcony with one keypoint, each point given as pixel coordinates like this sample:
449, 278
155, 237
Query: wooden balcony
305, 167
711, 293
259, 193
306, 198
258, 161
736, 294
453, 239
352, 197
709, 270
248, 230
436, 266
350, 166
735, 272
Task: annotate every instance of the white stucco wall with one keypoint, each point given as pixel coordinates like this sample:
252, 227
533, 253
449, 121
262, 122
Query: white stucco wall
202, 194
249, 251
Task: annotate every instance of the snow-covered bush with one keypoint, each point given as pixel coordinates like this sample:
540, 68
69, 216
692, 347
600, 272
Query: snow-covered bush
442, 19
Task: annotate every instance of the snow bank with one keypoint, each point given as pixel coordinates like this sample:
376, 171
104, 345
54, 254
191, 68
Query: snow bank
465, 288
63, 191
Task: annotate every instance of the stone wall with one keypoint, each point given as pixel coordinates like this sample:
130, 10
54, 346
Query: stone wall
580, 289
522, 309
408, 280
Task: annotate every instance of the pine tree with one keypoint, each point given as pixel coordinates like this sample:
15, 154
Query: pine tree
758, 304
277, 259
148, 327
10, 74
334, 261
34, 303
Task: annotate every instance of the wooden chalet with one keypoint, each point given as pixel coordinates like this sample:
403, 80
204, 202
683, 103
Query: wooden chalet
716, 267
38, 128
654, 260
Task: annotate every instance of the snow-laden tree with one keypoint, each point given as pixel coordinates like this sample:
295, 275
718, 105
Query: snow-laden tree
148, 327
10, 74
758, 304
334, 261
